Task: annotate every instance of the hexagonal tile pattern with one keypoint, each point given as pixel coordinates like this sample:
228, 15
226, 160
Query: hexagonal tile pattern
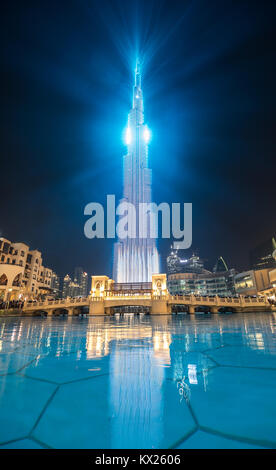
22, 444
98, 414
21, 402
66, 368
204, 440
12, 362
189, 343
244, 357
233, 400
190, 364
138, 382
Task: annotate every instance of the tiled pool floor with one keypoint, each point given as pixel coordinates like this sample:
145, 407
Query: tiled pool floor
185, 381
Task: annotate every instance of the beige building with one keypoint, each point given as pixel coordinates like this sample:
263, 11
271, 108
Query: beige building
22, 274
253, 282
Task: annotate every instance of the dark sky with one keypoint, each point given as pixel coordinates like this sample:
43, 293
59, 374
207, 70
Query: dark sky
209, 80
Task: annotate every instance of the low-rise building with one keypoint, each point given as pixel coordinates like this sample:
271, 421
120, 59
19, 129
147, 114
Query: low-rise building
220, 283
22, 274
252, 282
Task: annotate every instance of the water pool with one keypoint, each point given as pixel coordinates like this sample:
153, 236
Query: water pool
181, 381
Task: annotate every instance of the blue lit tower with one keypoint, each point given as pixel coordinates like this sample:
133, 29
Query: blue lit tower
136, 259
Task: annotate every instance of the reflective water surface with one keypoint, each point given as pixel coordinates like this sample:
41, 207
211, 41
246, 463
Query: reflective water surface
181, 381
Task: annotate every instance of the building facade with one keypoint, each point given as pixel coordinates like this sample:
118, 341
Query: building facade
77, 287
81, 278
221, 283
136, 259
253, 282
176, 264
55, 285
22, 274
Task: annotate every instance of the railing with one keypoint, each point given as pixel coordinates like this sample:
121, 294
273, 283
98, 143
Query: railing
127, 295
194, 299
61, 302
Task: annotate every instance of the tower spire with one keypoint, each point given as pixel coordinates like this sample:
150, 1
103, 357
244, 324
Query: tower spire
137, 90
138, 74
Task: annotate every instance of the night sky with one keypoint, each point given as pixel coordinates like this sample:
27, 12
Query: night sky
209, 80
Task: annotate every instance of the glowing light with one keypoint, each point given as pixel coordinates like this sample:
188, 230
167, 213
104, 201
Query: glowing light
147, 134
128, 136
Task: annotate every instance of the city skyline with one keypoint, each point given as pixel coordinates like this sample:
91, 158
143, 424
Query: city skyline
211, 109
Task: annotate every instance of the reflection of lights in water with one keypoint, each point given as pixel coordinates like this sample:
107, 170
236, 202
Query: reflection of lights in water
98, 342
192, 374
205, 379
161, 346
256, 341
183, 390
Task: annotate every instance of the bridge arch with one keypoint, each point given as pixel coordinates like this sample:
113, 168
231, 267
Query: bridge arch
80, 310
179, 308
227, 310
136, 309
59, 312
40, 313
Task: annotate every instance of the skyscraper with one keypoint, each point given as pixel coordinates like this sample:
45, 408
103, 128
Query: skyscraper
81, 278
136, 259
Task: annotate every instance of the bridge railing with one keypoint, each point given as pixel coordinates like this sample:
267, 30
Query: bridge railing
216, 300
57, 303
189, 299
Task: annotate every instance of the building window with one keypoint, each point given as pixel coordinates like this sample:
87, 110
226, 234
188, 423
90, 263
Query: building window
3, 280
16, 281
22, 253
2, 258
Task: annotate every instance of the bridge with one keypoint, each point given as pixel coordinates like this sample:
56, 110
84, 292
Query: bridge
106, 296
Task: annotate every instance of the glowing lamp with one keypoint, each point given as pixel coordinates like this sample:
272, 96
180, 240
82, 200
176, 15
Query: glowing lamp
146, 134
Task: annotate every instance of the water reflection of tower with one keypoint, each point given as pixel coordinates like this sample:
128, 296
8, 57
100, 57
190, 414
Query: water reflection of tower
136, 399
136, 259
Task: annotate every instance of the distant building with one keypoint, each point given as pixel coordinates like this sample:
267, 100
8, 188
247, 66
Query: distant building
22, 274
253, 282
261, 257
78, 287
55, 285
176, 264
81, 278
220, 266
188, 276
66, 286
221, 283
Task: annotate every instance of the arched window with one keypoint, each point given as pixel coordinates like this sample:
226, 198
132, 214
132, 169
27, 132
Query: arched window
16, 281
3, 280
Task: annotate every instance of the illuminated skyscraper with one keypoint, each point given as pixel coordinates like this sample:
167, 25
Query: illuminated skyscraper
136, 259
